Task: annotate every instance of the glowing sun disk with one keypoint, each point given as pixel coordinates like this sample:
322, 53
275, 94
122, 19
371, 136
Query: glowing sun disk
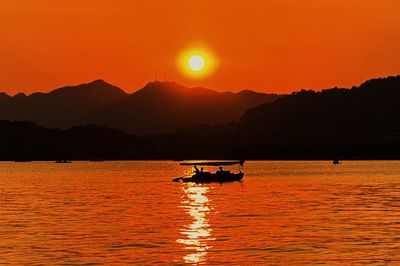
196, 62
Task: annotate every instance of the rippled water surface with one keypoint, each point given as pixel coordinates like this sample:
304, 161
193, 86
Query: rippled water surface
283, 213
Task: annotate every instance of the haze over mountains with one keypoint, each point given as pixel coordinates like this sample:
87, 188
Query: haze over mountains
159, 107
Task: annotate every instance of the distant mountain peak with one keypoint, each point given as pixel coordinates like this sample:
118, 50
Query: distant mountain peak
91, 87
165, 84
162, 87
20, 95
94, 83
99, 82
4, 95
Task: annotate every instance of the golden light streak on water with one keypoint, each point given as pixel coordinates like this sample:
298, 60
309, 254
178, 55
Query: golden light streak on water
197, 234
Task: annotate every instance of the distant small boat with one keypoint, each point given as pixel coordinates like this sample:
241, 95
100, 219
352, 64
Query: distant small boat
63, 161
336, 161
220, 176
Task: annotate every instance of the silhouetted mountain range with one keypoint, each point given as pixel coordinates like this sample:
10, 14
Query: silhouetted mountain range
357, 123
63, 107
360, 120
159, 107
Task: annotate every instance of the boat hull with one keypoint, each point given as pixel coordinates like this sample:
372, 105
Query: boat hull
211, 178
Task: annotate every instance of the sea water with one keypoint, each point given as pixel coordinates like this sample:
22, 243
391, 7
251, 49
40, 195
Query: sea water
130, 213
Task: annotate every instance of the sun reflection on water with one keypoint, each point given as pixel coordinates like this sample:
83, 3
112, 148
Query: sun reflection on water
198, 233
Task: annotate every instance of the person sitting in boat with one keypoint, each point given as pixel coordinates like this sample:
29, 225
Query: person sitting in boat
220, 169
196, 170
201, 169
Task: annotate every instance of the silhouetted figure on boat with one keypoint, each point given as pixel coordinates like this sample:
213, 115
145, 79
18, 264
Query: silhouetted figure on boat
196, 170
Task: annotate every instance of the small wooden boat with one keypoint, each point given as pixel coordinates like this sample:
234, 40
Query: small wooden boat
63, 161
220, 176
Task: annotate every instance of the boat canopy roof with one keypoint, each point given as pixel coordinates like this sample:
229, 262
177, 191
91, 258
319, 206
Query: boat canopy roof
215, 163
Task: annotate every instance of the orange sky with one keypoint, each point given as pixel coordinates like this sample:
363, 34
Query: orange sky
265, 45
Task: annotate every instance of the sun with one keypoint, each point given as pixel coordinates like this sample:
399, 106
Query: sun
197, 62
